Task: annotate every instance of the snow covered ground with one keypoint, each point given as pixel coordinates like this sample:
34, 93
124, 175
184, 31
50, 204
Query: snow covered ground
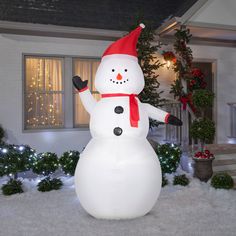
197, 210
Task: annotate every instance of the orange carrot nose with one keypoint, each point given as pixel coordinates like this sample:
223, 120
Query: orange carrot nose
119, 76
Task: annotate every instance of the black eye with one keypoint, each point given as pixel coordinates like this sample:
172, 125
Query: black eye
126, 70
113, 70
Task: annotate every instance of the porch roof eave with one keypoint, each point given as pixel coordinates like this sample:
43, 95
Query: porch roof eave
20, 28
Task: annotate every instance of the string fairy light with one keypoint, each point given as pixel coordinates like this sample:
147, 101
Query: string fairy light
42, 103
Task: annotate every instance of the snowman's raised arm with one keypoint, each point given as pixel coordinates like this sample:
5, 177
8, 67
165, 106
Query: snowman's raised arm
84, 93
160, 115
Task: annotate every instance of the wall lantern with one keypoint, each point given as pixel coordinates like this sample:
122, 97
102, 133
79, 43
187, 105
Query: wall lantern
169, 58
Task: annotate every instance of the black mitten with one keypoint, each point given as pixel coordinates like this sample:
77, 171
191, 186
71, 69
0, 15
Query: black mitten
79, 83
172, 120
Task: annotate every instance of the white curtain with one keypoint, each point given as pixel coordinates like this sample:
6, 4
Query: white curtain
43, 92
86, 69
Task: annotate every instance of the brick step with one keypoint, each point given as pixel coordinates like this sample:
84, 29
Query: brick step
231, 156
223, 162
224, 167
230, 172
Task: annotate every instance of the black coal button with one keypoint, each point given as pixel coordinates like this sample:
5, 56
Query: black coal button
119, 109
117, 131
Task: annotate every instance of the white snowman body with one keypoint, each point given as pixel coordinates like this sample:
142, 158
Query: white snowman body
118, 175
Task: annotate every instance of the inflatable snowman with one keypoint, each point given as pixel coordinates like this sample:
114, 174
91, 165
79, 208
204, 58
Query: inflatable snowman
118, 175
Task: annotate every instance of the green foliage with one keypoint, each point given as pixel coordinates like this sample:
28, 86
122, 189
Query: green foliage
203, 129
164, 181
150, 64
181, 180
184, 60
68, 162
222, 181
176, 88
203, 98
49, 184
15, 159
46, 164
12, 187
2, 134
169, 157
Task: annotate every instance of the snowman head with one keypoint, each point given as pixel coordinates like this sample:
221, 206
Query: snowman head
119, 71
119, 74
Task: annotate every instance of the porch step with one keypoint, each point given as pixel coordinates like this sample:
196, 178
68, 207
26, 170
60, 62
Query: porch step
224, 167
222, 148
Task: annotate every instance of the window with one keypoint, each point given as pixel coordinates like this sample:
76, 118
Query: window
50, 101
86, 69
44, 93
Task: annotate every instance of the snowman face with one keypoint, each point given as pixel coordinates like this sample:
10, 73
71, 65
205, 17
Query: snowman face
119, 74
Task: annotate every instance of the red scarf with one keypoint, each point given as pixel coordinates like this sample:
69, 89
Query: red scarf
133, 106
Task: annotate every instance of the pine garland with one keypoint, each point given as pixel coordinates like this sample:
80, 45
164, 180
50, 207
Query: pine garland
184, 59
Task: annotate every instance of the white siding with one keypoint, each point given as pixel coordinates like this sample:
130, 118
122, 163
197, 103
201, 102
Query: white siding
216, 12
11, 50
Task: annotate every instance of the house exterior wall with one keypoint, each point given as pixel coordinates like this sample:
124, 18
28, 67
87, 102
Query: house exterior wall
12, 48
216, 12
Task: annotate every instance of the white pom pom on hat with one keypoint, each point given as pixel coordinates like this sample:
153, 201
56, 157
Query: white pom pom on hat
142, 25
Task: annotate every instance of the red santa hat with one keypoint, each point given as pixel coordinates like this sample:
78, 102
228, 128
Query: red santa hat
125, 45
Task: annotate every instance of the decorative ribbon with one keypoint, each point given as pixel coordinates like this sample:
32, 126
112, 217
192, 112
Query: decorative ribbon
184, 101
187, 100
133, 106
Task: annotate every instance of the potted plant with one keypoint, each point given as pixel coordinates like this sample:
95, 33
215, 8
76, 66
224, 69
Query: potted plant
203, 165
202, 129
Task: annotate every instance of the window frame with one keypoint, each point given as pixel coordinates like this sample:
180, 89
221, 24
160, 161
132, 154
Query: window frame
69, 122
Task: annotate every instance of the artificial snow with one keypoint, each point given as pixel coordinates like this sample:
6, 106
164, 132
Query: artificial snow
197, 210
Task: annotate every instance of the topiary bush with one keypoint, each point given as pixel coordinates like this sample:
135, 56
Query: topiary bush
181, 180
222, 181
49, 184
169, 157
202, 98
68, 162
12, 187
203, 129
46, 164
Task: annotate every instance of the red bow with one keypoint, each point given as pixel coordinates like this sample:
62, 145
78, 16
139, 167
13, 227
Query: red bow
184, 101
187, 100
133, 105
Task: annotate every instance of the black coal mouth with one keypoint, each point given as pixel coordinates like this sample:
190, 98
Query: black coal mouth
119, 82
